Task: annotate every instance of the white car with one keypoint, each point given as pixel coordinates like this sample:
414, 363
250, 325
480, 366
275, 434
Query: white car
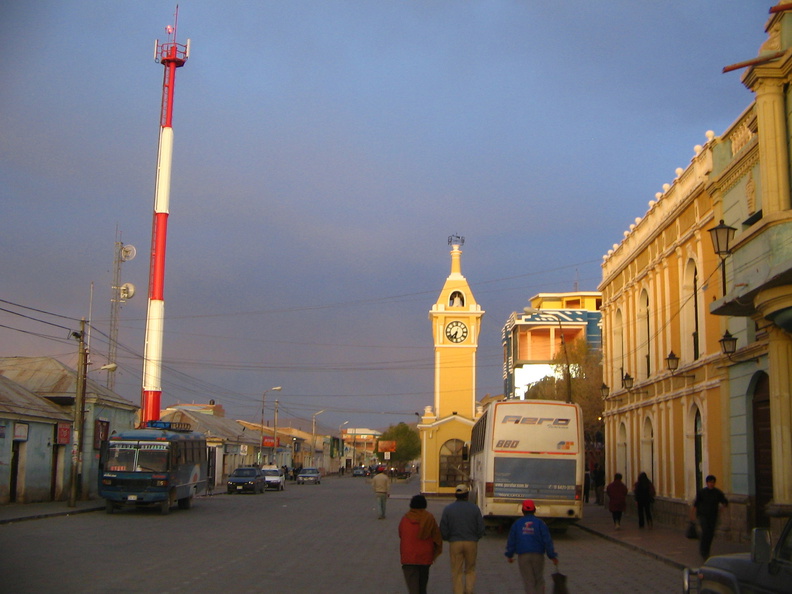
275, 479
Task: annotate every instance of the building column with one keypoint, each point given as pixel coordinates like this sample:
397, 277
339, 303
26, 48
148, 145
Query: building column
780, 352
773, 152
769, 303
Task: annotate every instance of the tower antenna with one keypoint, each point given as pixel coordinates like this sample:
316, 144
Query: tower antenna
171, 55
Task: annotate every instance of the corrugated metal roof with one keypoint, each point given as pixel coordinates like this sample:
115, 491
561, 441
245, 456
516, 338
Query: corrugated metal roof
50, 378
16, 400
219, 427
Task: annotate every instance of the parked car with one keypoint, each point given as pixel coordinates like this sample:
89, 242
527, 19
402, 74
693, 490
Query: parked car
360, 471
309, 475
274, 478
765, 569
246, 479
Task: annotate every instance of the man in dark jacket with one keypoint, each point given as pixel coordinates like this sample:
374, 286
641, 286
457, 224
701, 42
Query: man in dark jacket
706, 506
462, 526
529, 537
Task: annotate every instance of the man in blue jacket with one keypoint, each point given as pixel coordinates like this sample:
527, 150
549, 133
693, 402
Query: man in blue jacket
529, 537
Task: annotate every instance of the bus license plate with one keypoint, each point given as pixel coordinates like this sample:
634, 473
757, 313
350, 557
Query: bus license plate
132, 498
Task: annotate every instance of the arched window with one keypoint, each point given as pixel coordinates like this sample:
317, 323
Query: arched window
647, 448
690, 313
699, 449
453, 469
618, 349
456, 299
621, 453
762, 446
644, 336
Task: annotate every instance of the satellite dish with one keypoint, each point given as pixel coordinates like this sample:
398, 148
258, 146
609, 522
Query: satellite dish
127, 291
128, 252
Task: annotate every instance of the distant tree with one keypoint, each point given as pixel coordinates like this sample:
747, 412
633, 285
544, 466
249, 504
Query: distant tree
408, 444
585, 366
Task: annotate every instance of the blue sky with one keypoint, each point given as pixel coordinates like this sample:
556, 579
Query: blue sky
324, 152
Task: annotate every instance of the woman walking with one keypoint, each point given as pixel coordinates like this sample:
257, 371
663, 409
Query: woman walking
644, 492
617, 499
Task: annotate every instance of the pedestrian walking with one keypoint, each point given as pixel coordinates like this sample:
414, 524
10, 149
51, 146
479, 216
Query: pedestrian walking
381, 485
586, 486
706, 506
644, 493
598, 478
617, 499
462, 526
420, 543
530, 539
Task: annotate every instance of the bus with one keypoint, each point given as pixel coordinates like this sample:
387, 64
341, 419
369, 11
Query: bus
529, 449
160, 465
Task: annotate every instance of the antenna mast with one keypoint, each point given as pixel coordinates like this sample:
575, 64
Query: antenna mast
171, 55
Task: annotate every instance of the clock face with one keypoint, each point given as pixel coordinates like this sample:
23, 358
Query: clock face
456, 331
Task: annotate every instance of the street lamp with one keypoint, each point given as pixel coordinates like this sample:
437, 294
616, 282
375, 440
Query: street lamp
275, 435
313, 435
341, 444
721, 236
567, 374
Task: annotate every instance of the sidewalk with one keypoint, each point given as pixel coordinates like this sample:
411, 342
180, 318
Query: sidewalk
18, 512
663, 543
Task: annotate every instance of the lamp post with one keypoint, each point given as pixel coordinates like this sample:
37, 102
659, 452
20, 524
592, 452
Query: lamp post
341, 445
567, 374
275, 436
313, 436
721, 236
79, 417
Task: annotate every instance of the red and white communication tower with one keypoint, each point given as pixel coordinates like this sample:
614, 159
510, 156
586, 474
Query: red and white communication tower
171, 55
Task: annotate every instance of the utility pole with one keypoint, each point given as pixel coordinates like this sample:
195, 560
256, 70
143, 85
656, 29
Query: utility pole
275, 435
79, 416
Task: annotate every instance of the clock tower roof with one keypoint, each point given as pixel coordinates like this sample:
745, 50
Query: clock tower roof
456, 295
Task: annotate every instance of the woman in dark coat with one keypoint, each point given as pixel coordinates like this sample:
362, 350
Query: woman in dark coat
617, 499
644, 492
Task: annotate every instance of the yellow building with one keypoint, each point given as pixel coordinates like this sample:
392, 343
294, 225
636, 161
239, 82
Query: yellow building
656, 285
445, 428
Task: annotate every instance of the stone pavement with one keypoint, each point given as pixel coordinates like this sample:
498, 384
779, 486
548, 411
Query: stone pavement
663, 543
667, 544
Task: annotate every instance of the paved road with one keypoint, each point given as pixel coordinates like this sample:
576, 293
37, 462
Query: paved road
310, 538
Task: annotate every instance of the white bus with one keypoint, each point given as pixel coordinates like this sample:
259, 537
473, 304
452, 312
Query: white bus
528, 449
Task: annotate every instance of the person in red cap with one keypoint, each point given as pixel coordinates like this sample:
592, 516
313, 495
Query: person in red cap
530, 539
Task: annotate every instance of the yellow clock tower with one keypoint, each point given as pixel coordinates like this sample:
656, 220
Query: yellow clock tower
445, 427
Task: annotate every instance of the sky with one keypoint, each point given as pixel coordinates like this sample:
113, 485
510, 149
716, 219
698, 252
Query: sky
324, 153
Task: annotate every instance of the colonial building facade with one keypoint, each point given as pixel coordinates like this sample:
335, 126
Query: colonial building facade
680, 402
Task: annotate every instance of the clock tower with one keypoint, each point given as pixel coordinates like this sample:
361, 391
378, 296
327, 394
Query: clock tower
446, 426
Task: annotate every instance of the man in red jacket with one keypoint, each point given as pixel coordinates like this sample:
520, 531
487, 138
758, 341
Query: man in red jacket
421, 543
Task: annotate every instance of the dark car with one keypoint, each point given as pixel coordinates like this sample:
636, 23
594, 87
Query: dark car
764, 569
309, 475
360, 471
246, 480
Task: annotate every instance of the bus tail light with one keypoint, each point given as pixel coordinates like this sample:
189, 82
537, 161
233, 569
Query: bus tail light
489, 489
578, 492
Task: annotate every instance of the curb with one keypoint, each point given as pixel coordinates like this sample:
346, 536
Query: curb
68, 512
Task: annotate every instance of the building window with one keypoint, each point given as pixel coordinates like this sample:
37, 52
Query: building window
453, 469
690, 313
456, 299
644, 335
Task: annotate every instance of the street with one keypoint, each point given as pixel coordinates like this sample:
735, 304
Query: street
308, 538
